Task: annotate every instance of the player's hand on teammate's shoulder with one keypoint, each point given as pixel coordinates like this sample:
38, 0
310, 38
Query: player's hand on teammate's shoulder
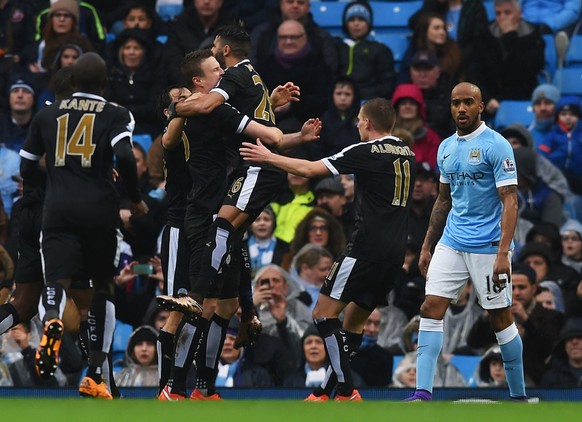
284, 94
254, 152
310, 130
138, 209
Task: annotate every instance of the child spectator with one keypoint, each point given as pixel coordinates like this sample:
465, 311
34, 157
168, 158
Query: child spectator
141, 368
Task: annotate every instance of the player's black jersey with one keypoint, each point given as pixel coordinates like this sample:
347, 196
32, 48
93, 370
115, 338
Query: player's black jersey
178, 182
242, 87
212, 155
78, 134
384, 172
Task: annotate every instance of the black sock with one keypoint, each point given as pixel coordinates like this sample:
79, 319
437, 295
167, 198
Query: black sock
215, 252
188, 342
84, 339
52, 302
206, 375
354, 341
329, 383
8, 317
245, 293
165, 356
101, 323
336, 346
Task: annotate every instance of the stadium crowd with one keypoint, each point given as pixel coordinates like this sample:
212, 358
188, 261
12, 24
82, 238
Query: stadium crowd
294, 241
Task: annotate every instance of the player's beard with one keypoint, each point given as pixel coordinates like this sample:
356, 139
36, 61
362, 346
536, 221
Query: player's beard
219, 56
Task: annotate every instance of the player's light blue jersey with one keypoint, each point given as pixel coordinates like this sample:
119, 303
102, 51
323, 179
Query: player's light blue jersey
474, 166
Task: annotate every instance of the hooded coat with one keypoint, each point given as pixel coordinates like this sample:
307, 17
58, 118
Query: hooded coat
133, 374
426, 140
561, 374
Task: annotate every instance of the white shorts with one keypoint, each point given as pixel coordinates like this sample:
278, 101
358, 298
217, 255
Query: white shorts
449, 271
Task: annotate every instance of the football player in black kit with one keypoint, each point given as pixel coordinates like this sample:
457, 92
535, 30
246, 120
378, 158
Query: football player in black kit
209, 160
360, 280
80, 136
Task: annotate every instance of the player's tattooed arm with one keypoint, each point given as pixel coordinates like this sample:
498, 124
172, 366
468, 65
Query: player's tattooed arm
508, 197
438, 216
436, 225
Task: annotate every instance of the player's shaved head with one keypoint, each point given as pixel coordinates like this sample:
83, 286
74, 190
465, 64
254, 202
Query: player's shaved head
467, 88
90, 73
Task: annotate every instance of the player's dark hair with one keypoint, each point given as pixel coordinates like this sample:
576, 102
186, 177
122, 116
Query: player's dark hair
237, 38
89, 73
165, 99
191, 65
61, 83
381, 113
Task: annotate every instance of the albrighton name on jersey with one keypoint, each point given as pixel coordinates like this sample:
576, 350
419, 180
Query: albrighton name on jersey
384, 173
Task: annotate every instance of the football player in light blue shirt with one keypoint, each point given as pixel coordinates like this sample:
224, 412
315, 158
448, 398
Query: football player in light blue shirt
476, 213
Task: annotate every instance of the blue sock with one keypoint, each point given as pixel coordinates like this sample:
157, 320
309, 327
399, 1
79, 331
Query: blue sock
512, 354
430, 344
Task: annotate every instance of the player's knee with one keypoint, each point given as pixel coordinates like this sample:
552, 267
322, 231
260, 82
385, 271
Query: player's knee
434, 307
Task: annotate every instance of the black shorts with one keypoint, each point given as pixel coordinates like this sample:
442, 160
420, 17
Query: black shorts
197, 229
365, 283
29, 264
254, 188
68, 253
175, 257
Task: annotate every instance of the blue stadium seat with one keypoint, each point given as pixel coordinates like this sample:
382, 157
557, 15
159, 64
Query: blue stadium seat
120, 338
513, 112
574, 53
550, 59
490, 9
328, 14
169, 9
144, 139
466, 365
394, 14
397, 43
569, 80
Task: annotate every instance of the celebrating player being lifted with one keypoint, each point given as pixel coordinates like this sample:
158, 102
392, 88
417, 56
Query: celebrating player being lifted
209, 159
360, 280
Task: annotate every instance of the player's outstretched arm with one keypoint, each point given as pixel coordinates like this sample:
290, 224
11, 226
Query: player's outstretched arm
309, 133
268, 135
284, 94
436, 225
259, 154
198, 104
173, 134
508, 197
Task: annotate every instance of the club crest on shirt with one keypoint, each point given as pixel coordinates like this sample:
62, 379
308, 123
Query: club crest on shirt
475, 156
508, 165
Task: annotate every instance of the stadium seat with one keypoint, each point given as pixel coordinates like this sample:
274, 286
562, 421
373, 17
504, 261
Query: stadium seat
569, 80
120, 338
550, 59
144, 139
328, 14
466, 365
513, 112
394, 14
574, 52
490, 9
169, 9
397, 43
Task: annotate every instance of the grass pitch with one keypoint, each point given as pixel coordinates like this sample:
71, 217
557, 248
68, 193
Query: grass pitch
145, 410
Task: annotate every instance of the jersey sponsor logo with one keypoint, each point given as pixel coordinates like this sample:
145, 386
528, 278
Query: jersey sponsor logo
475, 156
508, 165
465, 177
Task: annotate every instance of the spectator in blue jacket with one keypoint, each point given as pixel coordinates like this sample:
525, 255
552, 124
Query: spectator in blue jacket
556, 15
563, 146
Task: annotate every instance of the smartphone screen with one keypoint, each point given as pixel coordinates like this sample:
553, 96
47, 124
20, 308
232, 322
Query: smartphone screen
143, 269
